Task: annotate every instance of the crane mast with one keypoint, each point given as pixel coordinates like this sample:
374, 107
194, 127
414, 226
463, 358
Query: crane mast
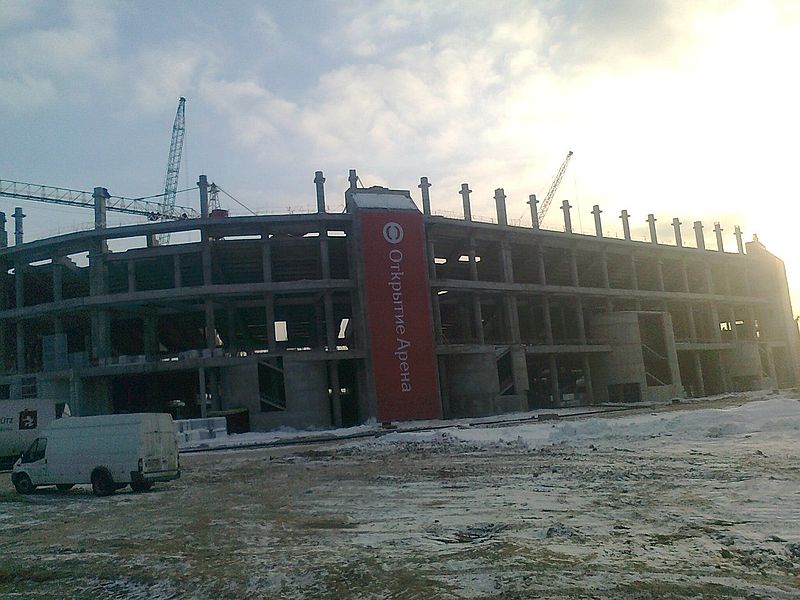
174, 162
554, 187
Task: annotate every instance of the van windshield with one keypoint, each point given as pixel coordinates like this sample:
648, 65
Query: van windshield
35, 451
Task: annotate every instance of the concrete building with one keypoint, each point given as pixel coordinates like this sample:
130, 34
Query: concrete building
281, 316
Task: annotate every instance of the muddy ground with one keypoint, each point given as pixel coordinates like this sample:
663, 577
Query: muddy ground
441, 518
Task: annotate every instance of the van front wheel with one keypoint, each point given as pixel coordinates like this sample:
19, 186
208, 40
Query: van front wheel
102, 483
23, 483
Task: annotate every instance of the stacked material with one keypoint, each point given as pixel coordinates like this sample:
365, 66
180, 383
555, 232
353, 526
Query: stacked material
190, 431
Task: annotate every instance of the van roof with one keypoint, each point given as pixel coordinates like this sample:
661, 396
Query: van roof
106, 420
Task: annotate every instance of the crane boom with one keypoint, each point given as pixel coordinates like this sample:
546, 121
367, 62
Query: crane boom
554, 187
151, 209
174, 161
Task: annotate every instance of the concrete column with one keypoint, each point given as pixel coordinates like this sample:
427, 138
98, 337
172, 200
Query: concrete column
634, 275
426, 195
598, 224
473, 263
660, 275
465, 192
587, 378
651, 221
732, 319
684, 276
131, 276
500, 204
691, 323
709, 278
533, 203
3, 232
548, 321
230, 329
352, 179
266, 258
626, 226
676, 226
58, 280
715, 322
604, 270
579, 320
4, 348
269, 309
324, 255
519, 366
100, 196
331, 329
477, 316
542, 268
21, 366
698, 235
567, 217
201, 376
698, 373
554, 386
19, 284
208, 278
150, 331
573, 267
508, 264
336, 395
177, 276
202, 184
773, 374
18, 234
431, 260
718, 233
437, 319
319, 182
737, 231
512, 316
211, 328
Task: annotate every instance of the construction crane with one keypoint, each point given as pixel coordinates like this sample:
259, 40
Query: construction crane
173, 163
145, 207
548, 199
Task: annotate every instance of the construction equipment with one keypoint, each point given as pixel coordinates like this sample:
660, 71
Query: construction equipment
145, 207
173, 163
554, 187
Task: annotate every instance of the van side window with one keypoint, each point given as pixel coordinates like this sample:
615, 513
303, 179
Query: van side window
35, 451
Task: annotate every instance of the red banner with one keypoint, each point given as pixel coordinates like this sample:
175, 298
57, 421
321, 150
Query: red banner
399, 315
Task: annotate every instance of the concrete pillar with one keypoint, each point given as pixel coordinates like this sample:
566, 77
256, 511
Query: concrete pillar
324, 255
542, 267
773, 374
715, 322
352, 179
465, 192
698, 373
634, 275
512, 316
519, 367
201, 377
21, 366
626, 226
554, 386
500, 204
710, 288
431, 260
18, 216
100, 196
211, 328
150, 337
437, 318
177, 275
651, 221
473, 262
266, 258
598, 224
731, 316
698, 235
718, 233
230, 329
269, 310
19, 284
508, 264
676, 226
737, 231
331, 329
567, 217
548, 321
684, 276
131, 276
477, 316
336, 392
604, 270
202, 184
58, 280
319, 182
660, 275
691, 323
533, 203
579, 320
3, 232
587, 378
573, 267
426, 195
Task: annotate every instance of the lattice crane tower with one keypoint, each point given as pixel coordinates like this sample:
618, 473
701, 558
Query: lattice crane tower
173, 164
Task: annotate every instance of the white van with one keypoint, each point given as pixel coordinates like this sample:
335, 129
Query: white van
22, 421
108, 451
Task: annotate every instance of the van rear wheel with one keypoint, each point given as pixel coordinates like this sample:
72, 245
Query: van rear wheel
64, 487
23, 484
102, 483
141, 486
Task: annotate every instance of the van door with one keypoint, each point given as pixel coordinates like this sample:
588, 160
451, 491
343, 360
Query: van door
34, 461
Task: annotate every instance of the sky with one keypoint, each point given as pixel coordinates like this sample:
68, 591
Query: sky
679, 108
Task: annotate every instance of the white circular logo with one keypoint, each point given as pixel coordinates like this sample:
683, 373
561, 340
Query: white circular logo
393, 233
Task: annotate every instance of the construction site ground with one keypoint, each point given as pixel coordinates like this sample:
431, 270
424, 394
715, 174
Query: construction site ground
696, 500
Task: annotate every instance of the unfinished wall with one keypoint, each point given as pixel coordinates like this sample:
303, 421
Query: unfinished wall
472, 384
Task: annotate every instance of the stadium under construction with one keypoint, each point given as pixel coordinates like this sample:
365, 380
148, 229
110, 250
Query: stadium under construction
383, 312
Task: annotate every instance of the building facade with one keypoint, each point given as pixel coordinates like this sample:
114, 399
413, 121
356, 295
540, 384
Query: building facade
383, 312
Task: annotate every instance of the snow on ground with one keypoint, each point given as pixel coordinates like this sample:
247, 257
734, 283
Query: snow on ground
679, 501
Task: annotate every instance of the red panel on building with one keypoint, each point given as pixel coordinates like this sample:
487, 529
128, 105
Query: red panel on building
399, 315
